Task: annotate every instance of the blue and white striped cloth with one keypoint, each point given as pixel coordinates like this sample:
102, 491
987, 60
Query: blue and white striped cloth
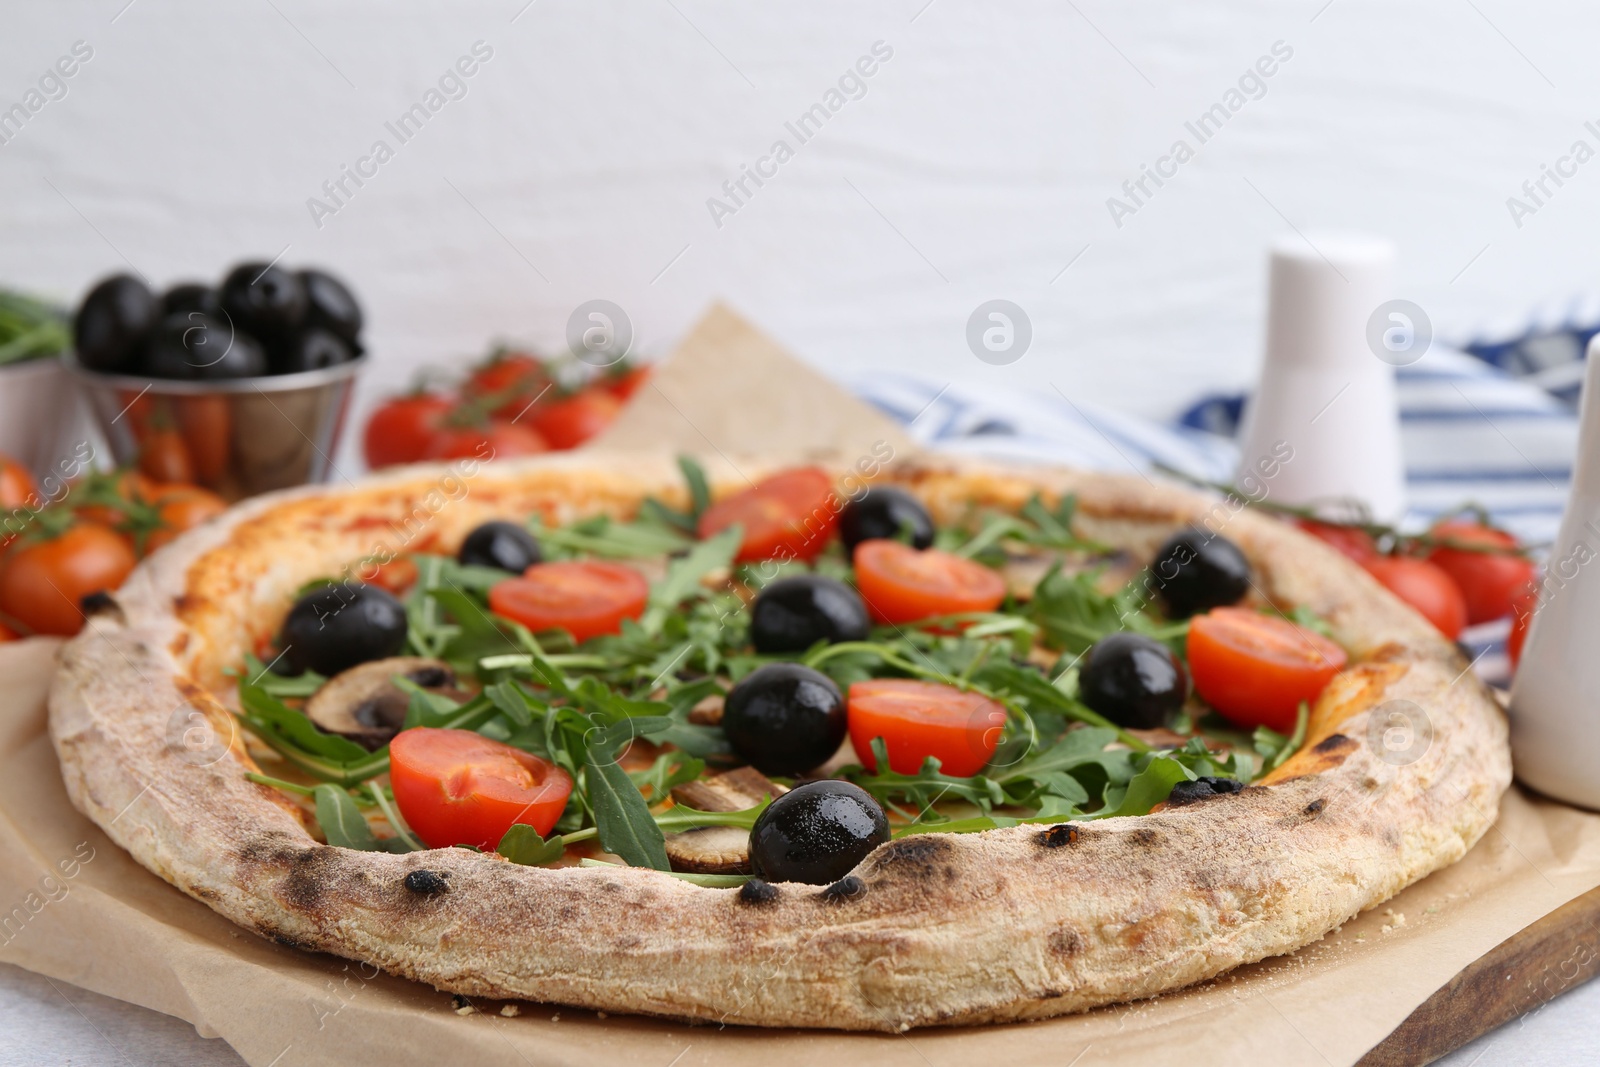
1478, 426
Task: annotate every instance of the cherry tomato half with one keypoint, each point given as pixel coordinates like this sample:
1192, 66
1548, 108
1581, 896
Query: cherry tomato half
904, 584
921, 719
1427, 588
570, 421
1255, 669
1348, 540
401, 430
586, 598
455, 787
43, 582
788, 515
1489, 581
497, 440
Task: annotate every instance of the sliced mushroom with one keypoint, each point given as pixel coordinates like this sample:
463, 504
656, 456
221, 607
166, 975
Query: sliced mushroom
719, 849
364, 703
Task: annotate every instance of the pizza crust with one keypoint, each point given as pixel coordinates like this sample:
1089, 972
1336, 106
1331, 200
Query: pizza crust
1010, 924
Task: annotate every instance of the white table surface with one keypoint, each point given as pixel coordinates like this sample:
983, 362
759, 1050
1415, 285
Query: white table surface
44, 1023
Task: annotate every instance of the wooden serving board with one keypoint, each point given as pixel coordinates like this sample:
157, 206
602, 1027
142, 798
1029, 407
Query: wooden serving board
1521, 974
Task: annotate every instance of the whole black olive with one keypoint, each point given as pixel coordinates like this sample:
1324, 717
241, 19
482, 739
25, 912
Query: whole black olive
334, 628
884, 512
792, 614
1196, 571
191, 296
266, 302
330, 305
816, 833
505, 546
191, 345
1133, 680
113, 323
313, 349
784, 718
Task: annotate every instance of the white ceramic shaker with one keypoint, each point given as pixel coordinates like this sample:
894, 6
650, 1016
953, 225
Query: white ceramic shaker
1325, 392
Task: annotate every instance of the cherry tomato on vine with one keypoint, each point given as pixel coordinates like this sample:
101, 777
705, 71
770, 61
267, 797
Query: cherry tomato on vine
1523, 607
568, 422
1427, 588
586, 598
1489, 580
623, 383
164, 456
43, 581
919, 719
1256, 669
788, 515
1348, 540
512, 380
180, 508
496, 440
401, 430
17, 489
903, 584
455, 787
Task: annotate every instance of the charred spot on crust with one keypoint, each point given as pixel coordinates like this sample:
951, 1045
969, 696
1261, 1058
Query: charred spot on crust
1144, 836
1066, 941
309, 874
1334, 743
1058, 835
98, 602
755, 891
1315, 807
1201, 789
289, 942
919, 855
846, 888
426, 883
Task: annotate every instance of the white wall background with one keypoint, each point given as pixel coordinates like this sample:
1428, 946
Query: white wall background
976, 166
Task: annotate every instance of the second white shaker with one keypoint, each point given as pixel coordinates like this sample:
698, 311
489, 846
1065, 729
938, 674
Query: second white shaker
1323, 391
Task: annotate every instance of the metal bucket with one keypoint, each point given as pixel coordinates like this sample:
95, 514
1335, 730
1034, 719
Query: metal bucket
237, 438
43, 425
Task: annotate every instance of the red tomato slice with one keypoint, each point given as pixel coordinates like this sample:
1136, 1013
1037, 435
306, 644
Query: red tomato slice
788, 515
455, 787
585, 598
1348, 540
570, 421
921, 719
401, 429
1255, 669
1489, 581
1426, 587
903, 584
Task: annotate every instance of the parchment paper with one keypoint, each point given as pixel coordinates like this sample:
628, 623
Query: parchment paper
75, 907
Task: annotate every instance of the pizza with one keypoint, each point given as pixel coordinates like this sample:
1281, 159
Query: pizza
866, 746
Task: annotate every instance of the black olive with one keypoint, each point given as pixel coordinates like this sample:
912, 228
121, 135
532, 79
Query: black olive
313, 349
885, 512
816, 833
1196, 571
792, 614
191, 345
333, 628
1133, 680
266, 302
191, 296
330, 305
1201, 788
784, 718
505, 546
113, 322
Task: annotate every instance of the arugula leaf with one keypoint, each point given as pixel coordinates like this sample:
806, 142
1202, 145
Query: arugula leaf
670, 769
699, 487
1274, 748
272, 720
280, 685
678, 818
522, 844
621, 815
341, 821
645, 537
1149, 787
683, 575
